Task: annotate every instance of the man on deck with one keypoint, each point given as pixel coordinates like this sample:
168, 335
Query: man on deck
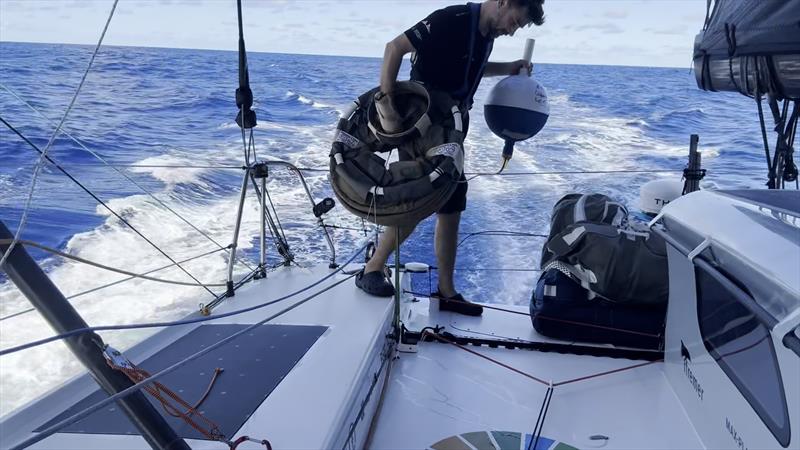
451, 48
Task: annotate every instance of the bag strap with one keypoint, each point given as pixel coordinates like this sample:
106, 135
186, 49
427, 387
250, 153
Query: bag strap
565, 242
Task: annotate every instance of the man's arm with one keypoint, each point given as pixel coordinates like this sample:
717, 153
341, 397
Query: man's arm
494, 69
392, 58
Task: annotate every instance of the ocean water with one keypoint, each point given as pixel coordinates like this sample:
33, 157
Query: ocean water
145, 110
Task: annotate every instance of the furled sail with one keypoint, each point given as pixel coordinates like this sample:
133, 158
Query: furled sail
750, 46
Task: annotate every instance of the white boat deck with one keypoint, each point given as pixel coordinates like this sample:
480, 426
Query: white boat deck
308, 408
438, 392
443, 391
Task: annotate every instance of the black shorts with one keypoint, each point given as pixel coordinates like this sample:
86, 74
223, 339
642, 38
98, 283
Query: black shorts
458, 200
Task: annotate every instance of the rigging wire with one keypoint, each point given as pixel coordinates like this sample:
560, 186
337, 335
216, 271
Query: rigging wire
113, 283
325, 170
109, 268
42, 434
123, 174
552, 172
147, 166
40, 161
180, 322
499, 233
101, 202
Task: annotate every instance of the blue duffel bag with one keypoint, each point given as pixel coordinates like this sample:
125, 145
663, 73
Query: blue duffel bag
562, 309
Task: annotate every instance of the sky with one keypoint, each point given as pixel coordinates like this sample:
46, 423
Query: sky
608, 32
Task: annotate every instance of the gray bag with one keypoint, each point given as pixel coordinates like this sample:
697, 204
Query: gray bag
608, 256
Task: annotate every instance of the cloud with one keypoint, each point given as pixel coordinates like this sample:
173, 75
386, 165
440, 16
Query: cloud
605, 28
615, 14
679, 30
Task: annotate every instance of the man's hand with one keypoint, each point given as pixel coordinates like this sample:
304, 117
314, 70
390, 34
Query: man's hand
494, 69
516, 66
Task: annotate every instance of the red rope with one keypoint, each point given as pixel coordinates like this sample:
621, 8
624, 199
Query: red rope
211, 430
597, 375
527, 375
158, 390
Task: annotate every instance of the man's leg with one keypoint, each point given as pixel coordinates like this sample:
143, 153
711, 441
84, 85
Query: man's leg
385, 248
446, 241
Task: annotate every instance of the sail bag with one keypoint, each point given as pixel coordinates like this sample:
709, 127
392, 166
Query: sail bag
592, 239
562, 309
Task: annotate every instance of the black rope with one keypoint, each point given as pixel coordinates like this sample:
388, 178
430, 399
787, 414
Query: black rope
537, 429
122, 280
124, 175
500, 233
156, 166
78, 331
101, 202
762, 121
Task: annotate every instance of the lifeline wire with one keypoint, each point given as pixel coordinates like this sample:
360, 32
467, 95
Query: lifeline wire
97, 406
571, 322
40, 162
178, 322
109, 268
101, 202
113, 283
555, 172
121, 173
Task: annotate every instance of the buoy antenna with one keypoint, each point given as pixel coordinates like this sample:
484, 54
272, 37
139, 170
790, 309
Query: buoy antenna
527, 55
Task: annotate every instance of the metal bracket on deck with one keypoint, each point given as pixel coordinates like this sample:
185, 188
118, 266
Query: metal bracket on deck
408, 341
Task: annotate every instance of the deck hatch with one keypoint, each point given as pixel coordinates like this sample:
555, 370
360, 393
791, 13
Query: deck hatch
254, 364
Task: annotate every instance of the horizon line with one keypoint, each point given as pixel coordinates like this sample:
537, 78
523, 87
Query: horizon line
313, 54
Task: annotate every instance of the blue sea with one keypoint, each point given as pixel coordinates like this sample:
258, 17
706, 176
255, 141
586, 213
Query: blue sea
165, 118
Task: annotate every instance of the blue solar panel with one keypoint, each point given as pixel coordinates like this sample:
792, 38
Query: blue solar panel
253, 365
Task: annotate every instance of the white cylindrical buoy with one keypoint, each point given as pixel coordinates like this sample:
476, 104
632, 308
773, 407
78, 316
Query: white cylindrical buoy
517, 107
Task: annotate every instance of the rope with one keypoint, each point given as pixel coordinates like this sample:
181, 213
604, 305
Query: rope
181, 322
101, 202
529, 376
537, 429
89, 291
124, 175
571, 322
141, 166
97, 406
40, 162
554, 172
500, 233
159, 391
609, 372
163, 394
104, 267
501, 364
197, 404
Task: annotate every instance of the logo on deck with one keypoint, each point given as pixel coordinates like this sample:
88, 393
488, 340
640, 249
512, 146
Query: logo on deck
499, 440
687, 370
